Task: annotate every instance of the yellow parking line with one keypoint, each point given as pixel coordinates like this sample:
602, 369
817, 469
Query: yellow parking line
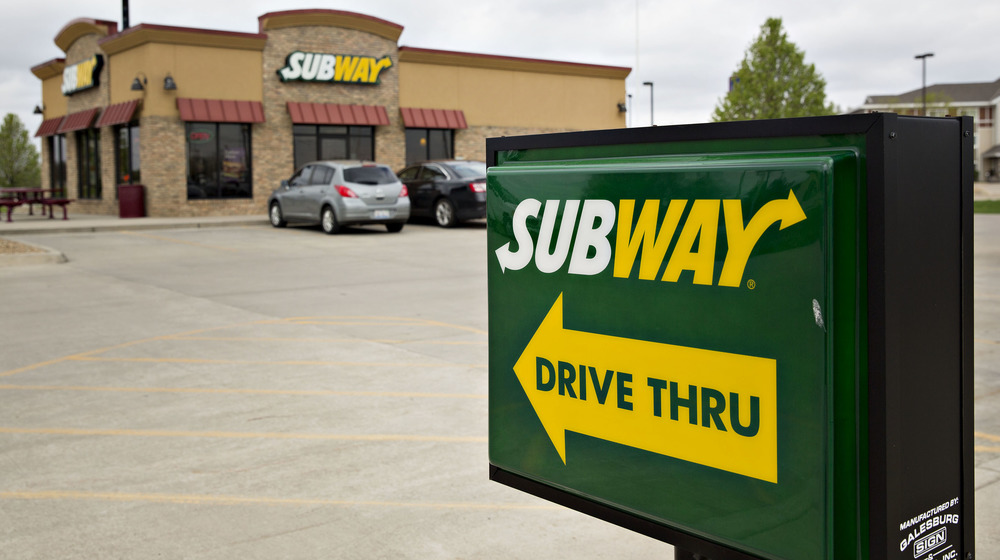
985, 449
985, 341
241, 435
179, 241
283, 392
81, 358
202, 499
983, 435
16, 371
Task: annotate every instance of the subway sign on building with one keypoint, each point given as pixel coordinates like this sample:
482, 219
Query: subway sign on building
721, 335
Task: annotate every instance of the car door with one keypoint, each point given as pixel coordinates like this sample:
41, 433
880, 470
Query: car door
411, 178
316, 191
291, 198
427, 187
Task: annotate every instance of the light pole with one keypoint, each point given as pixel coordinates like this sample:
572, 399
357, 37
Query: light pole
650, 84
629, 110
923, 58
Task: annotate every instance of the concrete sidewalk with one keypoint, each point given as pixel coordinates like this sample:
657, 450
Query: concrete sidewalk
23, 223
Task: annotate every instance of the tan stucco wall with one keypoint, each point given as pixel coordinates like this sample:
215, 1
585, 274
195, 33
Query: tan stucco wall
199, 72
55, 103
510, 98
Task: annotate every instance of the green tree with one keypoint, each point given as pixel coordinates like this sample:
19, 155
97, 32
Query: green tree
19, 165
773, 82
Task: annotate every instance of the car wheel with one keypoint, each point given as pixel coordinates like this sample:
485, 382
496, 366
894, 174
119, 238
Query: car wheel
329, 220
394, 228
277, 219
444, 213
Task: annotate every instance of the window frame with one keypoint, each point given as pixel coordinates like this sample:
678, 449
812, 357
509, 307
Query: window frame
430, 145
88, 164
57, 164
214, 190
132, 148
356, 139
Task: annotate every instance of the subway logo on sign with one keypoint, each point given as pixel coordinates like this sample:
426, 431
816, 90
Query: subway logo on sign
320, 67
587, 224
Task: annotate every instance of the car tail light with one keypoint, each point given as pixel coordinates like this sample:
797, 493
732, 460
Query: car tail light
477, 187
346, 192
404, 192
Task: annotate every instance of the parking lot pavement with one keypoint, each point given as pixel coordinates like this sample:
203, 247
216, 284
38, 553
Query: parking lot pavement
246, 392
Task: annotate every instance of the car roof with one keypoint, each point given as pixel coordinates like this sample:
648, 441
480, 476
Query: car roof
348, 163
447, 161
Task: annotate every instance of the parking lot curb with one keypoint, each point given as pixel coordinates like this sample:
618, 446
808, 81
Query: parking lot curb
43, 255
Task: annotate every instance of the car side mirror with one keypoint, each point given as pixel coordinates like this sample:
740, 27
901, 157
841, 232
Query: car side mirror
284, 184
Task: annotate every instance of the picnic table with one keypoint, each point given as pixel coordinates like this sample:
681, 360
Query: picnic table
26, 195
9, 204
11, 197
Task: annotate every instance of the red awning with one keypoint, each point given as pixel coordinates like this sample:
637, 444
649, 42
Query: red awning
433, 118
49, 127
220, 110
332, 113
78, 121
119, 113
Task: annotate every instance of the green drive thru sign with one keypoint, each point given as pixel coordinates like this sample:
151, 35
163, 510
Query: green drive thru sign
681, 337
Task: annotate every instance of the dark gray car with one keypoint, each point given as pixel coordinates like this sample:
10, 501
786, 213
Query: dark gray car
338, 193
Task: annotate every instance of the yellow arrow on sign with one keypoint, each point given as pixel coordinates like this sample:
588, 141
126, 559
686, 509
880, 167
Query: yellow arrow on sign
712, 408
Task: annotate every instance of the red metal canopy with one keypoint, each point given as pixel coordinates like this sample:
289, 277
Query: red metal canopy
78, 121
433, 118
220, 110
332, 113
49, 127
119, 113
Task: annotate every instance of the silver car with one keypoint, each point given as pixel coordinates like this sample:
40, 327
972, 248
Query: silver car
339, 193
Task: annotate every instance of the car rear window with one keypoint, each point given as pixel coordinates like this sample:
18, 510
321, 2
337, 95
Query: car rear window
369, 175
470, 169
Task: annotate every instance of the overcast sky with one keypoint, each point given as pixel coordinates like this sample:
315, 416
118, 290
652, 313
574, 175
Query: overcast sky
687, 49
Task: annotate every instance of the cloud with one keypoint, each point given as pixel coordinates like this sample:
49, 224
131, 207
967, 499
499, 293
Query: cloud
689, 49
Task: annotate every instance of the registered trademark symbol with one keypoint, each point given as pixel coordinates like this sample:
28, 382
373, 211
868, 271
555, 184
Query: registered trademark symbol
751, 284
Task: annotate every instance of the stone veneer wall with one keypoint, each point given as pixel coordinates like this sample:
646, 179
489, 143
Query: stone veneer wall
273, 149
163, 157
45, 163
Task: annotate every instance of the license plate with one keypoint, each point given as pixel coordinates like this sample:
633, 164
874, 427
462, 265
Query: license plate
382, 214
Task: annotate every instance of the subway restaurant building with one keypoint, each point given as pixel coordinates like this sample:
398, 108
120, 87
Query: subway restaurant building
210, 122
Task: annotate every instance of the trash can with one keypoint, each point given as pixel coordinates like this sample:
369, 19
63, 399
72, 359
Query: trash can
131, 201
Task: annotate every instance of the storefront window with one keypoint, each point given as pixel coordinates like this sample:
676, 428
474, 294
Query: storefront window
319, 142
127, 152
424, 144
218, 161
57, 165
88, 152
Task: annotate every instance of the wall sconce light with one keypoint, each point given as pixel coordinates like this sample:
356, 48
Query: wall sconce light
622, 108
39, 110
137, 84
168, 83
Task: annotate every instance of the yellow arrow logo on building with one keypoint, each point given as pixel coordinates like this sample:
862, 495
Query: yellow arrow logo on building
711, 408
